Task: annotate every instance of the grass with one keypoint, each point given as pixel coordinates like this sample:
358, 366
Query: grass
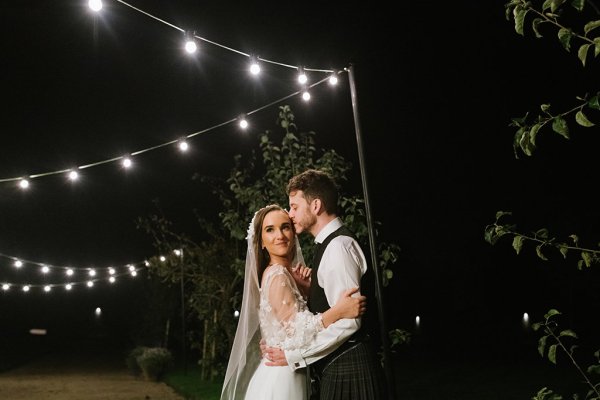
187, 383
429, 375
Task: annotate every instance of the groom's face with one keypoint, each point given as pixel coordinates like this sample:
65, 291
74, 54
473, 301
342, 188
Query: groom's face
300, 212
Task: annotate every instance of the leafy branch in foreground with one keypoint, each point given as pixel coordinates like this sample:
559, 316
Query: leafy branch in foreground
552, 340
542, 241
550, 13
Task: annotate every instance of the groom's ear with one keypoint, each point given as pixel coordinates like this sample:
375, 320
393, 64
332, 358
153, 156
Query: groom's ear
317, 206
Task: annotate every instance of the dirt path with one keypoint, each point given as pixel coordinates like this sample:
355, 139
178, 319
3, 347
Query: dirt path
71, 376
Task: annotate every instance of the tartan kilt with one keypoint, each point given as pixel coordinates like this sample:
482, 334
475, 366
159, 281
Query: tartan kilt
356, 374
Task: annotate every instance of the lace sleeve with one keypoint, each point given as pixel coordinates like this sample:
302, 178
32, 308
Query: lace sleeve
289, 308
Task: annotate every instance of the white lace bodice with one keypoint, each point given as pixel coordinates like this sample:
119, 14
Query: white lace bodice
285, 320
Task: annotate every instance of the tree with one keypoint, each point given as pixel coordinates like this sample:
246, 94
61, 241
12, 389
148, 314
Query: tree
213, 269
553, 13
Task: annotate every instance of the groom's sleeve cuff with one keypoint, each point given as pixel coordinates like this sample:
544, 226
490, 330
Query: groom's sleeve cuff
294, 359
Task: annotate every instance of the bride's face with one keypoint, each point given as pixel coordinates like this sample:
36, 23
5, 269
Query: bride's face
278, 235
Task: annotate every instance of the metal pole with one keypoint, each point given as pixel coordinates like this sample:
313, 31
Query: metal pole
387, 366
183, 318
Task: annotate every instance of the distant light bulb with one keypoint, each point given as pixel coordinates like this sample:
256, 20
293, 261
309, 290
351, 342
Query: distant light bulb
162, 258
333, 80
92, 272
112, 279
73, 175
127, 162
47, 288
95, 5
131, 267
417, 320
133, 273
68, 286
111, 271
18, 263
69, 272
183, 146
6, 286
90, 283
243, 123
306, 95
26, 288
24, 183
236, 314
45, 269
98, 311
177, 252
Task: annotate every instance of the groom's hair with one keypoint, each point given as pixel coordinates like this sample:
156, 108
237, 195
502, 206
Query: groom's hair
316, 184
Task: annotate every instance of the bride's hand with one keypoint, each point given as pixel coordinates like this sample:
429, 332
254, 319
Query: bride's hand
301, 274
351, 307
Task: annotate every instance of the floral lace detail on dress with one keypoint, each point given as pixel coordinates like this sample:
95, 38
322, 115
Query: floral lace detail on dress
285, 320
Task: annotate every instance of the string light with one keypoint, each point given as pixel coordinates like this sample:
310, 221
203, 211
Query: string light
23, 183
5, 286
333, 79
126, 162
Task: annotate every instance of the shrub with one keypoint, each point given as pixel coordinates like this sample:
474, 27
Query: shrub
131, 360
154, 362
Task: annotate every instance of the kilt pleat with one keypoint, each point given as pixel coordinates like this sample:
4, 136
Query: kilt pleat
354, 375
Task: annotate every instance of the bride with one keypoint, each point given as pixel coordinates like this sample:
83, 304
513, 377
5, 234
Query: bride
276, 312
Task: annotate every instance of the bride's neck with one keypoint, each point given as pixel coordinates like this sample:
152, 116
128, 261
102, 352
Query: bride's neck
280, 260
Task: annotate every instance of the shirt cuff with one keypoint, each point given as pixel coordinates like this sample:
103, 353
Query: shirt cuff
295, 359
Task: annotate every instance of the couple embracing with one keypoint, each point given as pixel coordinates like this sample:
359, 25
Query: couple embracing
299, 334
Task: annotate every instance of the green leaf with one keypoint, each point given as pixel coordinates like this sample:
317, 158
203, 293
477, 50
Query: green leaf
568, 332
563, 250
500, 214
536, 326
578, 4
538, 250
591, 25
542, 345
555, 4
596, 46
542, 233
587, 258
545, 107
535, 25
564, 36
594, 369
552, 354
582, 52
517, 243
582, 120
519, 14
551, 313
575, 238
533, 133
525, 143
559, 125
547, 4
594, 103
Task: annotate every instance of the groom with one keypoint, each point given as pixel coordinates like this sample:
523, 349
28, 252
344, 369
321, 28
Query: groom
341, 355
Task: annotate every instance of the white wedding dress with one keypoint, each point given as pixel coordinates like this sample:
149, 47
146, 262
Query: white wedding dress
285, 322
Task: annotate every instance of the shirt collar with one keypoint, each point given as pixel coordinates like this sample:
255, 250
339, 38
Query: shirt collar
328, 229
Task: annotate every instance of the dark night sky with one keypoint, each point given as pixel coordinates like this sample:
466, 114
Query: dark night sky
437, 86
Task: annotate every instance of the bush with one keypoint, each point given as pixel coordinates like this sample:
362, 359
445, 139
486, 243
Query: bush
154, 362
131, 360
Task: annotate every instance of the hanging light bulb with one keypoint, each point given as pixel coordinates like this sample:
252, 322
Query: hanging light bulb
5, 286
126, 162
243, 121
24, 184
254, 66
190, 42
68, 286
95, 5
73, 175
183, 145
47, 288
45, 269
26, 288
305, 94
18, 264
333, 79
69, 271
302, 78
